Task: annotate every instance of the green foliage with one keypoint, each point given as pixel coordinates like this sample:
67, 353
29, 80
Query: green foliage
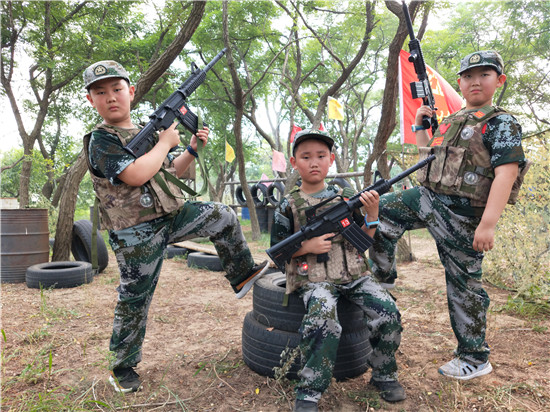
520, 260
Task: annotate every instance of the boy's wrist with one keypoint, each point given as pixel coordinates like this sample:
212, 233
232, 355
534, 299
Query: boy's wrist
192, 151
371, 222
416, 128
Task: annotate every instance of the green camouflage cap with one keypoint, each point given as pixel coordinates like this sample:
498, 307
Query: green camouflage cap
103, 70
482, 58
311, 134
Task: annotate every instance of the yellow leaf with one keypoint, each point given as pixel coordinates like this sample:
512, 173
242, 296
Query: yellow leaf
257, 391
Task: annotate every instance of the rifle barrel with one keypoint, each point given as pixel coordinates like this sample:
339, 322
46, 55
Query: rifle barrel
408, 20
412, 169
214, 60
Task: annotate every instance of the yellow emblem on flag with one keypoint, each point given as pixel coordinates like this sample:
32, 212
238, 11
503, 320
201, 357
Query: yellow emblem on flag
229, 153
335, 109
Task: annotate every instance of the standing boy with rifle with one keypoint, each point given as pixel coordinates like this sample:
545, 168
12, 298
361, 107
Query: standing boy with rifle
479, 167
145, 211
321, 280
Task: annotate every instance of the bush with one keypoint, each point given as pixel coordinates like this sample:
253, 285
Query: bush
520, 260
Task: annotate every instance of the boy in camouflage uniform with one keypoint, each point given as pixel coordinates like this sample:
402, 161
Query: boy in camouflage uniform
479, 167
344, 275
145, 211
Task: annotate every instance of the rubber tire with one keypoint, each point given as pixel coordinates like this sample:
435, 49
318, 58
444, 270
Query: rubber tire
204, 261
340, 181
63, 274
81, 244
239, 196
172, 251
262, 347
268, 309
259, 201
271, 193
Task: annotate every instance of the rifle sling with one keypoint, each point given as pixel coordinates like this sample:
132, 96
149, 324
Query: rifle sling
178, 182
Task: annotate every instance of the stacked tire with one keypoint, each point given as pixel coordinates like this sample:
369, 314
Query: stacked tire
272, 328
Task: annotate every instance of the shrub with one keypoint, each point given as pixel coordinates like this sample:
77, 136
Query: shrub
520, 260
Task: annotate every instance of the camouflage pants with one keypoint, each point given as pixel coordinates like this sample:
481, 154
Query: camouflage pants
453, 234
140, 252
321, 331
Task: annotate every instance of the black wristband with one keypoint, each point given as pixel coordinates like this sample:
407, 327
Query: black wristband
192, 151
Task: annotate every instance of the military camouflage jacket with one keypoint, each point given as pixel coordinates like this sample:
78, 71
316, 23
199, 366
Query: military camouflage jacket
122, 205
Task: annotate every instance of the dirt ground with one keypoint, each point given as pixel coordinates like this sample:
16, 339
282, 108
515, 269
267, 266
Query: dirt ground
192, 354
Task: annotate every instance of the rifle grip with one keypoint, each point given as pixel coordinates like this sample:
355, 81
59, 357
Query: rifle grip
426, 122
322, 258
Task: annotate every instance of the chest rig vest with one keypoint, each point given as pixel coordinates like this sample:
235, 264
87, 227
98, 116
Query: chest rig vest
345, 263
462, 166
122, 206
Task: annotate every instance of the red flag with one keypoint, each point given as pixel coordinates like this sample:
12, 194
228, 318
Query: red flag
447, 100
321, 128
295, 129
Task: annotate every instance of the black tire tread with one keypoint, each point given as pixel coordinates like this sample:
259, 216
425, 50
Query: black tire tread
62, 274
204, 261
81, 244
268, 309
262, 347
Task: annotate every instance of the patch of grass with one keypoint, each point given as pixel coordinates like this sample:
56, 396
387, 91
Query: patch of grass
524, 308
37, 336
367, 399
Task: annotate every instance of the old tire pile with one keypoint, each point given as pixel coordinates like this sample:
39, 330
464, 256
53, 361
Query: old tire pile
271, 328
272, 197
63, 274
204, 261
81, 244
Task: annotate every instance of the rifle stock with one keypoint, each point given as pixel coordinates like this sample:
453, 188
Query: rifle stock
337, 218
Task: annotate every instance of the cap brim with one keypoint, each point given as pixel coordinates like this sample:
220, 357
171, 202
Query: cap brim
481, 65
313, 136
107, 77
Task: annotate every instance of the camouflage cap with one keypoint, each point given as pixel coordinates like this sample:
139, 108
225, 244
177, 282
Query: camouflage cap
103, 70
311, 134
482, 58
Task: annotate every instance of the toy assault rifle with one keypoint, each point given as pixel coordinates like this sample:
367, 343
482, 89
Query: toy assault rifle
421, 89
174, 107
338, 219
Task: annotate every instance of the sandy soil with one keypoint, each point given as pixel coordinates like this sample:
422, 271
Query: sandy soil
192, 354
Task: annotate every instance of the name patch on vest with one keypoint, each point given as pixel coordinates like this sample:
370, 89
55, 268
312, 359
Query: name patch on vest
479, 114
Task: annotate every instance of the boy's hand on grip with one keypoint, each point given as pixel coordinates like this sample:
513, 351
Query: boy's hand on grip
170, 137
318, 245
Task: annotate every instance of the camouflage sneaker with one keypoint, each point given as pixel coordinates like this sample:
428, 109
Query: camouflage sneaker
125, 380
390, 391
460, 369
255, 273
305, 406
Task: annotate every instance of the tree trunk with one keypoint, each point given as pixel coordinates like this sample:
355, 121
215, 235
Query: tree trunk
67, 206
237, 127
404, 252
24, 179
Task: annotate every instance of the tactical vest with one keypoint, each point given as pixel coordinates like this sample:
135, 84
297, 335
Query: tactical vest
345, 263
122, 205
462, 165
